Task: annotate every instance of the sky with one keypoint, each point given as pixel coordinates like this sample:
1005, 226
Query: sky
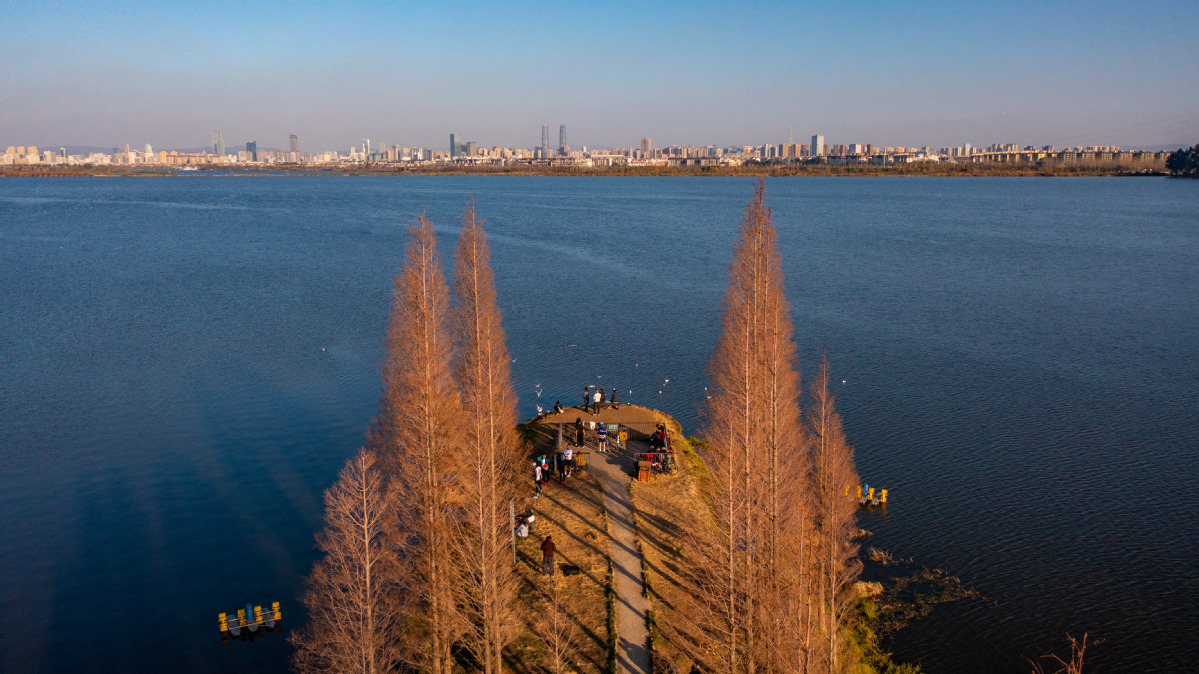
105, 73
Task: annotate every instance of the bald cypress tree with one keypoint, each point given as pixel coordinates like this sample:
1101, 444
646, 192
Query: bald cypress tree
416, 434
490, 457
352, 595
834, 474
745, 578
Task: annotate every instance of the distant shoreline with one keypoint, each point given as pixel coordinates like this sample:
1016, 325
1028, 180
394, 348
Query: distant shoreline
796, 171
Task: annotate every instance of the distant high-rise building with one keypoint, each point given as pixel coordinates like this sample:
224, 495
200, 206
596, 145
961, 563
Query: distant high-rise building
218, 143
252, 148
472, 148
562, 138
455, 145
366, 146
293, 143
545, 139
149, 149
646, 146
817, 146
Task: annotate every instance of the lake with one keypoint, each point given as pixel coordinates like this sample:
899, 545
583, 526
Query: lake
185, 364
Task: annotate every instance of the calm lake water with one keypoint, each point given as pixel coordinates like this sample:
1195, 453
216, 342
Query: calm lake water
185, 363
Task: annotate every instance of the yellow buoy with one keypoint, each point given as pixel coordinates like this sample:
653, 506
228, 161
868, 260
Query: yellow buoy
224, 622
882, 497
276, 611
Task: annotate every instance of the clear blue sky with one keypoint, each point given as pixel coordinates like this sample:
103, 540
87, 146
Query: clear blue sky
1064, 73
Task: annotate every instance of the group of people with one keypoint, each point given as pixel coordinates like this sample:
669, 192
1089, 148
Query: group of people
601, 435
598, 397
564, 464
663, 454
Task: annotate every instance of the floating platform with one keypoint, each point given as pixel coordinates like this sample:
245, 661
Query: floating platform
250, 620
867, 496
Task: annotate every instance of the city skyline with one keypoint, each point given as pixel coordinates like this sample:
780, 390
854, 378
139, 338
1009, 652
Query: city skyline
922, 74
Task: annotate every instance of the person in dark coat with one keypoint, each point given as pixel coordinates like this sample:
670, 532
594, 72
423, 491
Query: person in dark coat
586, 397
547, 556
580, 439
614, 399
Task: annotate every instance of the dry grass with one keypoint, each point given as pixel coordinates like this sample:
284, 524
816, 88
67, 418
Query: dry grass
573, 513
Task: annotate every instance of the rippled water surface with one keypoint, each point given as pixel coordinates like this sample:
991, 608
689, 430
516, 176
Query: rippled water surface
185, 363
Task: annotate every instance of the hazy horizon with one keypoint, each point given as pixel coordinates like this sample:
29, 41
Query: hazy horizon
681, 74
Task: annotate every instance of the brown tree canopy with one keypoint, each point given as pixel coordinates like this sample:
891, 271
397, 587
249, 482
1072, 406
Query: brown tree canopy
747, 571
418, 434
490, 457
352, 594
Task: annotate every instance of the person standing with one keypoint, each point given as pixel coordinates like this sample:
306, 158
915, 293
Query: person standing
614, 399
538, 490
547, 556
586, 397
603, 396
569, 455
599, 392
579, 437
560, 464
601, 434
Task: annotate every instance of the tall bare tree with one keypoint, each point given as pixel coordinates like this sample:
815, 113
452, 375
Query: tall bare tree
351, 595
416, 432
490, 458
833, 475
557, 629
746, 581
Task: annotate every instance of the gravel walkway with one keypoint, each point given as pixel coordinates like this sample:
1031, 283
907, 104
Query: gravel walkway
632, 627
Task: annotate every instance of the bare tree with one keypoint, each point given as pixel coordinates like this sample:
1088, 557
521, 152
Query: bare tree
351, 595
490, 458
416, 433
833, 474
557, 629
746, 586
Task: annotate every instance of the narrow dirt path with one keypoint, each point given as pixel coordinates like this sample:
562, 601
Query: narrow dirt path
632, 629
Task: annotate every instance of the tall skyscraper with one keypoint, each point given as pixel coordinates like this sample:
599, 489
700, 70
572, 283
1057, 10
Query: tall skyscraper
545, 140
646, 146
293, 143
454, 145
252, 148
562, 138
218, 143
366, 146
817, 146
